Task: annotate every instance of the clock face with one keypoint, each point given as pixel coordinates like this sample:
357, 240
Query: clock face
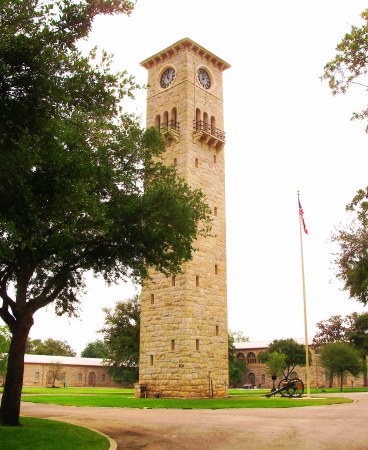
204, 78
167, 78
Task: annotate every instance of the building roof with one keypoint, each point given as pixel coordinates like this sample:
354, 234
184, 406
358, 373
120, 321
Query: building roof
64, 360
182, 44
264, 344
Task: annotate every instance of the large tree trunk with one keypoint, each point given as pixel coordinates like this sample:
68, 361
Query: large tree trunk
10, 404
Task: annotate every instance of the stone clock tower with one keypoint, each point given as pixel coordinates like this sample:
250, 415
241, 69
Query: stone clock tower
184, 336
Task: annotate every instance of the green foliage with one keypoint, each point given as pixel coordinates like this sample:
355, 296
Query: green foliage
295, 354
237, 367
82, 185
334, 329
49, 347
238, 336
358, 334
339, 358
351, 260
95, 349
121, 334
275, 362
54, 371
4, 349
349, 66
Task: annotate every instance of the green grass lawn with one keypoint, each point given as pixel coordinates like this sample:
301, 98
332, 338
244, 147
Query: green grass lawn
128, 401
42, 434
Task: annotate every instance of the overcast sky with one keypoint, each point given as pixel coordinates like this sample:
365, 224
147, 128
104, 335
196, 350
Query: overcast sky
284, 132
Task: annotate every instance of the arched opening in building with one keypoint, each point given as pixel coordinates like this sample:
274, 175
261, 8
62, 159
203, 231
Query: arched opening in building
251, 358
91, 379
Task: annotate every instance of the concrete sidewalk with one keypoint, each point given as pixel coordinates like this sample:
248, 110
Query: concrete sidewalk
336, 427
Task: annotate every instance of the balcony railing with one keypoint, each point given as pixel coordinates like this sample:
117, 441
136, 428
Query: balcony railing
200, 125
170, 131
170, 125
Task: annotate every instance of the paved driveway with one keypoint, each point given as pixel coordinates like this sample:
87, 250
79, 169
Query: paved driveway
333, 427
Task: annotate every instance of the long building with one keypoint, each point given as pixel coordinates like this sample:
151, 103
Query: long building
257, 375
70, 371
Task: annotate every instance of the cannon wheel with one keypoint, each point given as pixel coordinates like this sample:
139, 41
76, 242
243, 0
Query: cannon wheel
295, 387
282, 386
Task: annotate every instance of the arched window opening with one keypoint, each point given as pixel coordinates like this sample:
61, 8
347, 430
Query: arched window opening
206, 124
165, 119
213, 124
91, 379
240, 357
173, 117
158, 121
251, 378
251, 358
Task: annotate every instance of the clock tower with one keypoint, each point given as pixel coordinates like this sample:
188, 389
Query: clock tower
184, 335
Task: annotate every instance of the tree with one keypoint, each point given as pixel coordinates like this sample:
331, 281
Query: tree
334, 329
349, 66
339, 358
95, 349
275, 362
295, 354
82, 185
49, 347
358, 336
351, 259
121, 337
54, 373
237, 367
4, 349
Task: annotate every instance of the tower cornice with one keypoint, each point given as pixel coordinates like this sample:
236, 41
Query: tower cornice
184, 44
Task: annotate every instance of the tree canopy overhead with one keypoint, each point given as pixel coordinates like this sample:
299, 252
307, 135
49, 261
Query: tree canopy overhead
82, 186
350, 65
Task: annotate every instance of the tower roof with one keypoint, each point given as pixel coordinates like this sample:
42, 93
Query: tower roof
185, 43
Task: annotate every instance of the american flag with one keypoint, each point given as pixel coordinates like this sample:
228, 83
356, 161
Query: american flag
301, 214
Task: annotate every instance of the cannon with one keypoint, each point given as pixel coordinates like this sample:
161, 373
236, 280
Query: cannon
293, 387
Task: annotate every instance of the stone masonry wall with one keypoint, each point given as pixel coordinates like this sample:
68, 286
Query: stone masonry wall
184, 319
38, 375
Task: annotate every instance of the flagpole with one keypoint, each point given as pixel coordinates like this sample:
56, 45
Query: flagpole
304, 301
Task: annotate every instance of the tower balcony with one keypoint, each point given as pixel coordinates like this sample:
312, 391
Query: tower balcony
208, 134
170, 131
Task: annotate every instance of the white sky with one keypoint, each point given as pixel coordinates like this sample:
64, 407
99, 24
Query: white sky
285, 131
